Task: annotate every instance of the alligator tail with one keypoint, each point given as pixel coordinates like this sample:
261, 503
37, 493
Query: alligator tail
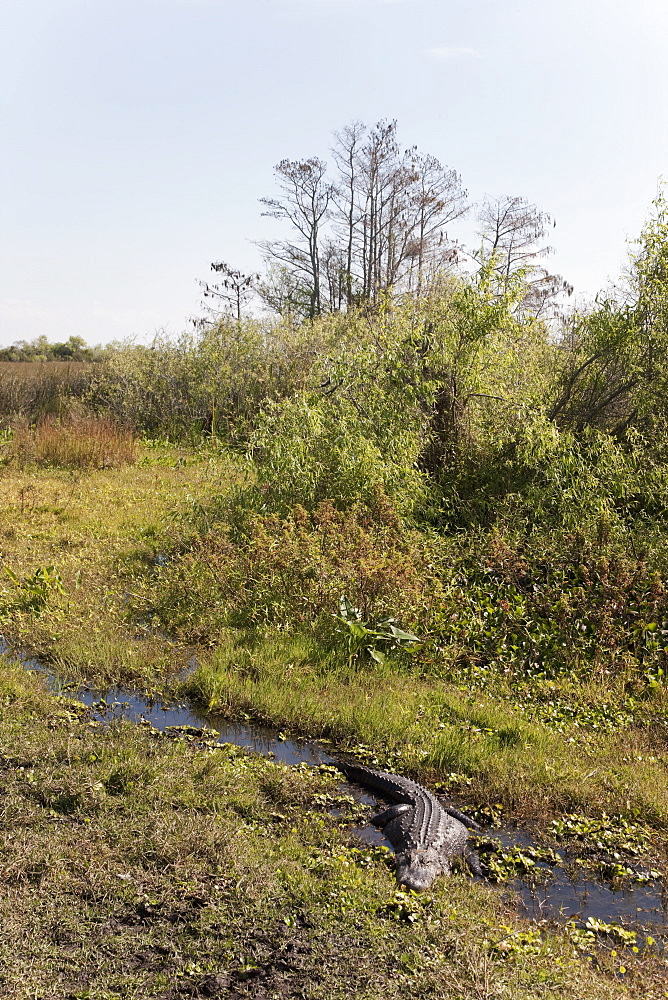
379, 781
462, 817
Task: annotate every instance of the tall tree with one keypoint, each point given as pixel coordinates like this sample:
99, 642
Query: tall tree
380, 225
383, 182
512, 233
406, 201
348, 213
437, 199
305, 205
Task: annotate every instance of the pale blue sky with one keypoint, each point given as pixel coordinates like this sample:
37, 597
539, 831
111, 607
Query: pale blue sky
138, 135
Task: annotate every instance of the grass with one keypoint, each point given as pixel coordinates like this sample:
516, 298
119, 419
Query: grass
76, 442
36, 388
35, 369
133, 865
97, 528
434, 730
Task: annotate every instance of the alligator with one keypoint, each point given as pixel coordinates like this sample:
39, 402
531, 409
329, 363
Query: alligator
425, 834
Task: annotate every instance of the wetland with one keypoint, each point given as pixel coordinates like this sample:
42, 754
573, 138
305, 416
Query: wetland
229, 859
428, 534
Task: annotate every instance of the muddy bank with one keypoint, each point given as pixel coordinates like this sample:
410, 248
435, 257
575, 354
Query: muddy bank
549, 883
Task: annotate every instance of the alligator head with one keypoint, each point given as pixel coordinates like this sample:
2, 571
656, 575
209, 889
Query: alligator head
417, 869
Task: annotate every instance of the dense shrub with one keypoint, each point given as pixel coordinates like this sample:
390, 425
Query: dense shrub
290, 571
547, 478
213, 381
553, 563
308, 450
445, 458
560, 603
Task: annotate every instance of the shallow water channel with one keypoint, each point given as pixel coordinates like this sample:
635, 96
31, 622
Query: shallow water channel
556, 891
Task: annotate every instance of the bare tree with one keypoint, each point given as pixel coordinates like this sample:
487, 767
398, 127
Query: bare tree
348, 212
305, 205
543, 292
437, 199
383, 181
512, 230
392, 209
234, 289
380, 225
335, 276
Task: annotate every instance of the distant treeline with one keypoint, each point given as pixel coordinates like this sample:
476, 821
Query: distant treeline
39, 349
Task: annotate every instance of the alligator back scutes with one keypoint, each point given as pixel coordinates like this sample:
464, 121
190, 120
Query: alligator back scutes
425, 835
429, 822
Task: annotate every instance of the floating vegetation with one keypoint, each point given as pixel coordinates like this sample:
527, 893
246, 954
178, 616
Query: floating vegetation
518, 942
608, 833
563, 716
503, 864
610, 845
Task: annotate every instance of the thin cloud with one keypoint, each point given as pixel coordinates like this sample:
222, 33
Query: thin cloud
452, 52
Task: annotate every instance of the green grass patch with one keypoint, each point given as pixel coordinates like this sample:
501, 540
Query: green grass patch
97, 532
135, 865
431, 729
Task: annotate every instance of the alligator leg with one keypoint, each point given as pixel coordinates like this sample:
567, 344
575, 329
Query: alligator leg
385, 817
473, 861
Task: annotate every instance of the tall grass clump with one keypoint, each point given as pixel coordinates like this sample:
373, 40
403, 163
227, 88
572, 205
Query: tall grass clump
82, 442
34, 389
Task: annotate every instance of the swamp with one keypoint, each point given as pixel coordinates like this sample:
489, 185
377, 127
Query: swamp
430, 535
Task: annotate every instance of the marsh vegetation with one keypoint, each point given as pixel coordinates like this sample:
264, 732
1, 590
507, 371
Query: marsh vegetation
427, 525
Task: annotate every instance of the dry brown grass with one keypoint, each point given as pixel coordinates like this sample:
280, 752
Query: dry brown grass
81, 442
34, 388
42, 369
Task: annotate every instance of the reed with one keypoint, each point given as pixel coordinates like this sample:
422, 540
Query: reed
33, 389
83, 442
